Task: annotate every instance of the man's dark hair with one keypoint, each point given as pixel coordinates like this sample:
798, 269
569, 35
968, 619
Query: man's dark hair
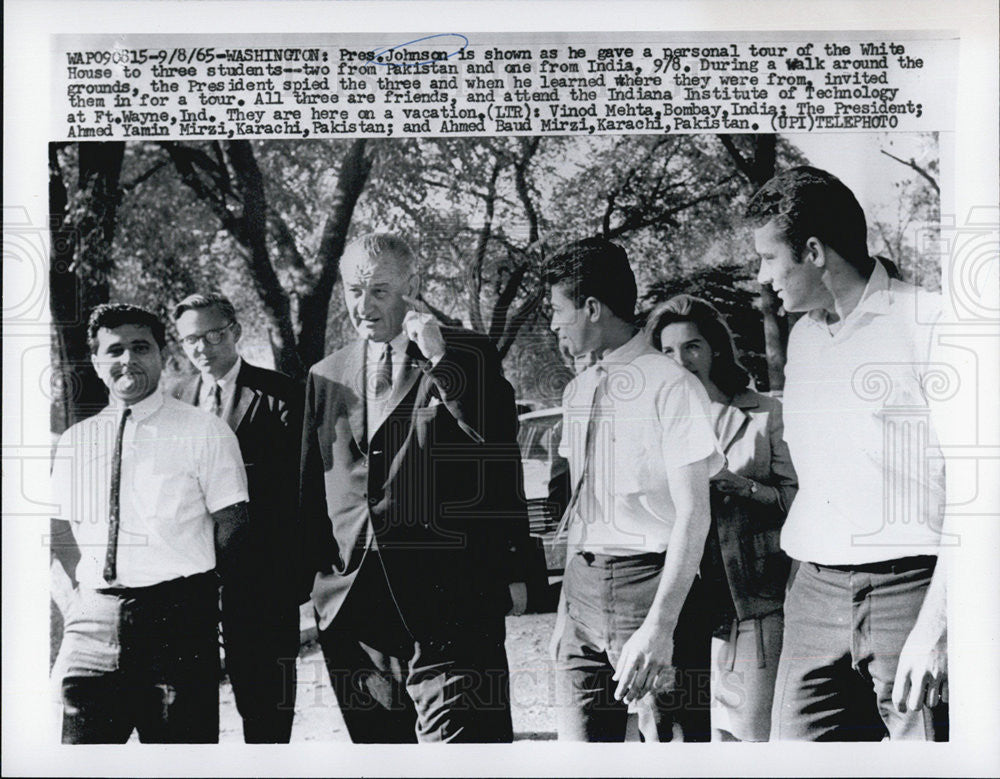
807, 202
595, 268
112, 315
726, 372
200, 301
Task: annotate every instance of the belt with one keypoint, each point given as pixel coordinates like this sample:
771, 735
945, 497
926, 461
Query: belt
173, 589
610, 560
899, 565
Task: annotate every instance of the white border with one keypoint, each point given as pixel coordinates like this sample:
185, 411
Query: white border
28, 746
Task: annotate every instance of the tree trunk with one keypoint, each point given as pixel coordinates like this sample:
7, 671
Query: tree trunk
314, 304
277, 307
758, 171
80, 265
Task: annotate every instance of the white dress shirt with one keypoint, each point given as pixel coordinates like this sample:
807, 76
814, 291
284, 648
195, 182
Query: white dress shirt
179, 464
227, 387
860, 431
653, 417
378, 406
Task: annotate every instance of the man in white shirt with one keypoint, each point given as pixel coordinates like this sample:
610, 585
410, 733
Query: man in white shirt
155, 494
864, 651
641, 449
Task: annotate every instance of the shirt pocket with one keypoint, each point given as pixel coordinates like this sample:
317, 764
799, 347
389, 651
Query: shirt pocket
162, 481
633, 463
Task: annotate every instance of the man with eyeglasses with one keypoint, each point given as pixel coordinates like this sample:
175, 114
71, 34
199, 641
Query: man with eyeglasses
260, 624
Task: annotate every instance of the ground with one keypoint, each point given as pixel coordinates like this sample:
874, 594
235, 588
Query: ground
317, 717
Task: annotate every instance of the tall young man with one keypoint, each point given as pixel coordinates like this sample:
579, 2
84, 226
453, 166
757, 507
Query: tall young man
864, 651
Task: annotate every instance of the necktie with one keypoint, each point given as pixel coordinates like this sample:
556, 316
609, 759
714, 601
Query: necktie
383, 373
589, 444
114, 519
215, 399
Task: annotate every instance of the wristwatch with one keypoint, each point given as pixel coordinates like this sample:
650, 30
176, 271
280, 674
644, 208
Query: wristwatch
753, 487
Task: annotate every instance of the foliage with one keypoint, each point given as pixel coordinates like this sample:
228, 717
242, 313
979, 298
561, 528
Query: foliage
266, 222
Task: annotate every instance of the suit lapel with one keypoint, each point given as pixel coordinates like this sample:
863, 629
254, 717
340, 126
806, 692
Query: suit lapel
354, 378
243, 399
407, 378
733, 421
400, 389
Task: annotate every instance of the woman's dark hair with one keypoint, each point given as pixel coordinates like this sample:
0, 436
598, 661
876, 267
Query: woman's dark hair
727, 374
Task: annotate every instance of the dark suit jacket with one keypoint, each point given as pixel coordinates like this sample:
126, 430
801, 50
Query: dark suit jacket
438, 486
266, 415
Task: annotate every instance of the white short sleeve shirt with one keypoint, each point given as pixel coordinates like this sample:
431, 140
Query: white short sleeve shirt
179, 464
653, 417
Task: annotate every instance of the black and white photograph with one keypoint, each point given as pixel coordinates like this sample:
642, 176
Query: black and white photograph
520, 391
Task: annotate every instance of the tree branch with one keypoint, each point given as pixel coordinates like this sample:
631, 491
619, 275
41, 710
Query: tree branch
528, 147
920, 171
744, 166
438, 313
129, 186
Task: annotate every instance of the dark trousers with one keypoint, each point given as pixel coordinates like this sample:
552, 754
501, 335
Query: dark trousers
607, 599
143, 658
844, 629
689, 704
260, 630
393, 687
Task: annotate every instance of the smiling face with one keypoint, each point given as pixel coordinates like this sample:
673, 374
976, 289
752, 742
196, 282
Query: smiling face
213, 359
373, 293
684, 343
571, 324
797, 281
128, 361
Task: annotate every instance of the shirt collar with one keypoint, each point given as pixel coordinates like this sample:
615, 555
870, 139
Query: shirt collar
625, 353
878, 292
225, 380
875, 299
398, 344
143, 409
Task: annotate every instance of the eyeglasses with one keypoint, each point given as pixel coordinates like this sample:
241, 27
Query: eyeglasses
213, 337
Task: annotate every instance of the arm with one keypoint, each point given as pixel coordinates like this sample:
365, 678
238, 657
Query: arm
922, 673
782, 480
646, 657
64, 556
316, 549
471, 385
230, 541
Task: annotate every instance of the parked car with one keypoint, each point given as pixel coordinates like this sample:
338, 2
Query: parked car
546, 488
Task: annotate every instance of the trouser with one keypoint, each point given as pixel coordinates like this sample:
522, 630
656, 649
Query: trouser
607, 598
744, 667
392, 687
142, 658
689, 703
844, 630
260, 632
